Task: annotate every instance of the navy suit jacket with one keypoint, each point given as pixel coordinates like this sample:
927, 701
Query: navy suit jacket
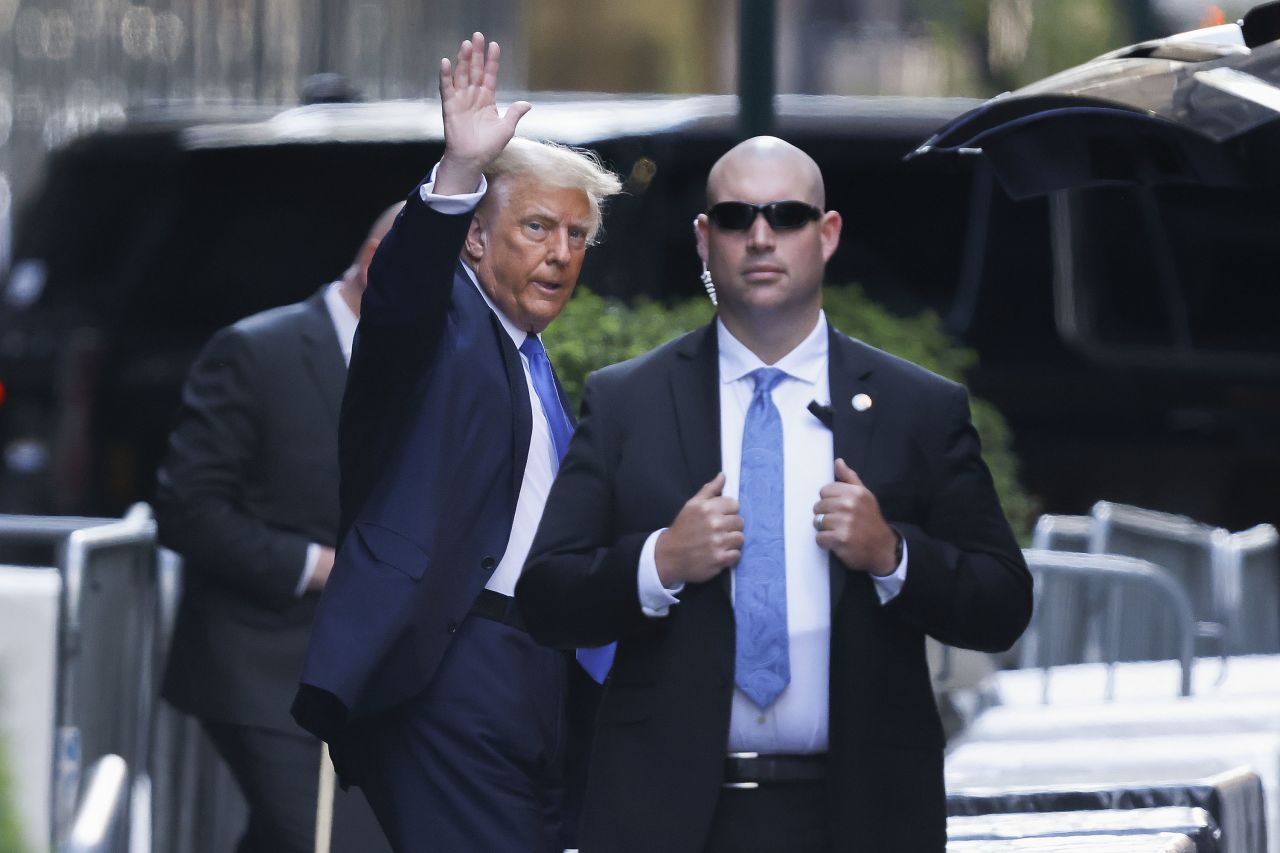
648, 439
434, 436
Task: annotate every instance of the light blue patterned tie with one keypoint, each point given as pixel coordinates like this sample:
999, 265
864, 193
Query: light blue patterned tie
597, 662
762, 668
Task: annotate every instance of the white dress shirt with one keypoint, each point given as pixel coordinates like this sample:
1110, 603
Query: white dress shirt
797, 721
344, 319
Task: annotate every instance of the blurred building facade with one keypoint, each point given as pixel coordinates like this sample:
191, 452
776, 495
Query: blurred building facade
68, 66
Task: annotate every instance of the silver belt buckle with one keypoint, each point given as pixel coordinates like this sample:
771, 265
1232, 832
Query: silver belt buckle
742, 786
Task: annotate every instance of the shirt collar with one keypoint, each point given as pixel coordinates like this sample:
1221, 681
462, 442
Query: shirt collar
344, 319
806, 362
517, 334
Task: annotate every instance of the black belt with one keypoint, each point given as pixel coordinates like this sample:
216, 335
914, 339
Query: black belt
751, 770
498, 608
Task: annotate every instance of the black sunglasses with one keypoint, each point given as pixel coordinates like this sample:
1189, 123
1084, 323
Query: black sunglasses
781, 215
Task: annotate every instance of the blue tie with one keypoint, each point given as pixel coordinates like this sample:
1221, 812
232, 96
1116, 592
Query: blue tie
598, 661
762, 668
544, 384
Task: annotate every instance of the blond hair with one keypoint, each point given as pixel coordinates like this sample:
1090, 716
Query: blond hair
558, 165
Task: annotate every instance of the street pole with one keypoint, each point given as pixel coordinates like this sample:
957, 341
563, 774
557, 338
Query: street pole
756, 59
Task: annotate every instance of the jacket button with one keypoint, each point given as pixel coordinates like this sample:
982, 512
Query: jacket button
488, 564
452, 627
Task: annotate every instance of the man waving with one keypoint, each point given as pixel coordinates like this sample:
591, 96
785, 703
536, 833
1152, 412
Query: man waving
434, 699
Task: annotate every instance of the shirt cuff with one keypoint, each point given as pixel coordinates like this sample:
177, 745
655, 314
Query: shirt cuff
308, 568
655, 599
889, 586
451, 204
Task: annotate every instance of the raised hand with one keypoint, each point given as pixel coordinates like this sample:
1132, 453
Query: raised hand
474, 132
704, 540
851, 527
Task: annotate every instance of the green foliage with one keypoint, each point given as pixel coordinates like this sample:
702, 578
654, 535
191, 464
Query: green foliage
1007, 44
10, 835
593, 332
919, 339
1067, 33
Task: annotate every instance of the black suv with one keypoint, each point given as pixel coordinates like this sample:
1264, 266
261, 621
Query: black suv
1126, 332
142, 241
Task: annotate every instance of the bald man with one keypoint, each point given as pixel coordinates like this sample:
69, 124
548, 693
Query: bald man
248, 495
769, 517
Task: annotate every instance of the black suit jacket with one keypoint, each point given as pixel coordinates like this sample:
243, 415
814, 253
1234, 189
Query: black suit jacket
249, 480
647, 440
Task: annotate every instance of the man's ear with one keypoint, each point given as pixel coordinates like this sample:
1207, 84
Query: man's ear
829, 228
700, 234
477, 238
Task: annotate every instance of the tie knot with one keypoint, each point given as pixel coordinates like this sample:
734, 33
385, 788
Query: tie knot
765, 378
532, 347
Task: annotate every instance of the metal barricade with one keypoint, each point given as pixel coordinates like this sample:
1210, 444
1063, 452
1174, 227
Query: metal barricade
1071, 643
198, 808
99, 825
1179, 545
1062, 533
1056, 614
1246, 567
106, 653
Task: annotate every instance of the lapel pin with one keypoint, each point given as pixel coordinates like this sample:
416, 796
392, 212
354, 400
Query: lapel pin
861, 402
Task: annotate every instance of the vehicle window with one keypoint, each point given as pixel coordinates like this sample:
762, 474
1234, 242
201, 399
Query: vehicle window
181, 243
1190, 269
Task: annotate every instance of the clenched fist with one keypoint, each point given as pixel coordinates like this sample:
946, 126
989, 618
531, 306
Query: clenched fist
704, 540
852, 527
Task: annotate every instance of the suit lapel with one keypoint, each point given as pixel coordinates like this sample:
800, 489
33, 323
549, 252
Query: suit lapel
695, 395
521, 405
849, 374
323, 353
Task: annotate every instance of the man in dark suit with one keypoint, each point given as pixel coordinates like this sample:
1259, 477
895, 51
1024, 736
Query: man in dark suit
248, 495
433, 698
786, 704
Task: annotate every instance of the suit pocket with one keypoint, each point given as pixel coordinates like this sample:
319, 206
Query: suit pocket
390, 548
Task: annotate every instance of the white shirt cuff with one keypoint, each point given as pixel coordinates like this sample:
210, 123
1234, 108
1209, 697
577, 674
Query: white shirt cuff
451, 204
889, 586
655, 599
308, 568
